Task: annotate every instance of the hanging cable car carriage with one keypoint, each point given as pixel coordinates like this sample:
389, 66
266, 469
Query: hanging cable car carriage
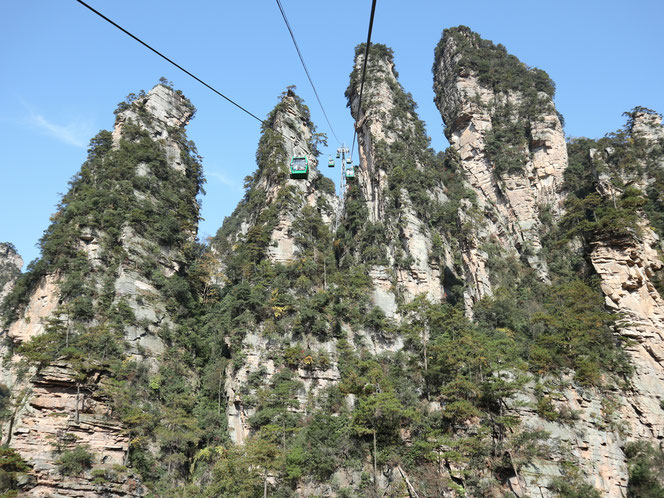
338, 153
350, 173
299, 167
349, 160
330, 162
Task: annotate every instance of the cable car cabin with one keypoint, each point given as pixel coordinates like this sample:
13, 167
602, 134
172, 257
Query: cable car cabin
349, 160
330, 163
299, 167
350, 173
338, 154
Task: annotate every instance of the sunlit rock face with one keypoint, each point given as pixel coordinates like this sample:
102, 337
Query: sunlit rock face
10, 267
391, 141
53, 407
516, 178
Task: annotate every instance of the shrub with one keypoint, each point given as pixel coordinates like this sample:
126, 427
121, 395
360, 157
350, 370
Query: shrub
76, 461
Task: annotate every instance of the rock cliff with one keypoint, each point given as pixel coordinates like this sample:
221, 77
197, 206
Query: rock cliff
501, 120
399, 183
281, 221
99, 296
274, 200
479, 322
10, 268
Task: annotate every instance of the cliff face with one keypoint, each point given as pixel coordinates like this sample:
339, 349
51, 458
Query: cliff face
99, 296
500, 118
281, 221
274, 200
483, 321
10, 268
630, 265
399, 181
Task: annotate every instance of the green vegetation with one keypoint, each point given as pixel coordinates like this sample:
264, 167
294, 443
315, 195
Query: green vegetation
322, 378
494, 67
12, 466
508, 140
645, 463
75, 461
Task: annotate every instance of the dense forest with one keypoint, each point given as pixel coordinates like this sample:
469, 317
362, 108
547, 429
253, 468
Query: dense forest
482, 321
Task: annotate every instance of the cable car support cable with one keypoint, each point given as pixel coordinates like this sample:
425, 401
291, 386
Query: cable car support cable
175, 64
306, 70
364, 70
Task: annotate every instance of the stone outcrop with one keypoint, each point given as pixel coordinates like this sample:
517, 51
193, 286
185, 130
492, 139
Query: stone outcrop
53, 408
272, 206
55, 411
591, 433
163, 113
510, 195
10, 267
390, 135
274, 200
626, 268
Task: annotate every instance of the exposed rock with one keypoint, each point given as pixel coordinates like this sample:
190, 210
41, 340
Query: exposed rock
510, 200
647, 126
275, 191
625, 268
388, 124
590, 433
53, 408
257, 350
10, 267
42, 305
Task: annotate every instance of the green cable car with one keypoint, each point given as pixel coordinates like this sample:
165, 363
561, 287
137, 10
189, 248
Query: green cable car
350, 173
330, 162
299, 167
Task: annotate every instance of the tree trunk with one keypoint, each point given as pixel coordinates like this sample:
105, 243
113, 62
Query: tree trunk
78, 394
375, 471
219, 395
411, 489
265, 485
426, 368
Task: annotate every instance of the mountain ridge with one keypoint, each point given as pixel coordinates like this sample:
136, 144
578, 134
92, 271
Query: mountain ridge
482, 321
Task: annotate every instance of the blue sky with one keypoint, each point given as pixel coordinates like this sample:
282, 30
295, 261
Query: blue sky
64, 71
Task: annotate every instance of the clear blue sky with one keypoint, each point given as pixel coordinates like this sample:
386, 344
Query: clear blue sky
64, 71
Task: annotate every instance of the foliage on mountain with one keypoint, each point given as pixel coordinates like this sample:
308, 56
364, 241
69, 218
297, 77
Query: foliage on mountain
603, 178
522, 95
646, 470
431, 394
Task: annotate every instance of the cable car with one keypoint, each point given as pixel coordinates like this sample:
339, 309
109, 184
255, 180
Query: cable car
330, 163
349, 160
350, 173
299, 167
338, 153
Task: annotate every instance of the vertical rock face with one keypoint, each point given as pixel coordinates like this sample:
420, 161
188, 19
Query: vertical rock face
272, 224
626, 268
502, 122
106, 260
10, 268
399, 180
274, 200
630, 268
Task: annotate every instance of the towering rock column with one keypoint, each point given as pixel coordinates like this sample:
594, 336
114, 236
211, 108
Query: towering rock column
273, 200
628, 269
96, 296
10, 268
500, 117
400, 182
268, 226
